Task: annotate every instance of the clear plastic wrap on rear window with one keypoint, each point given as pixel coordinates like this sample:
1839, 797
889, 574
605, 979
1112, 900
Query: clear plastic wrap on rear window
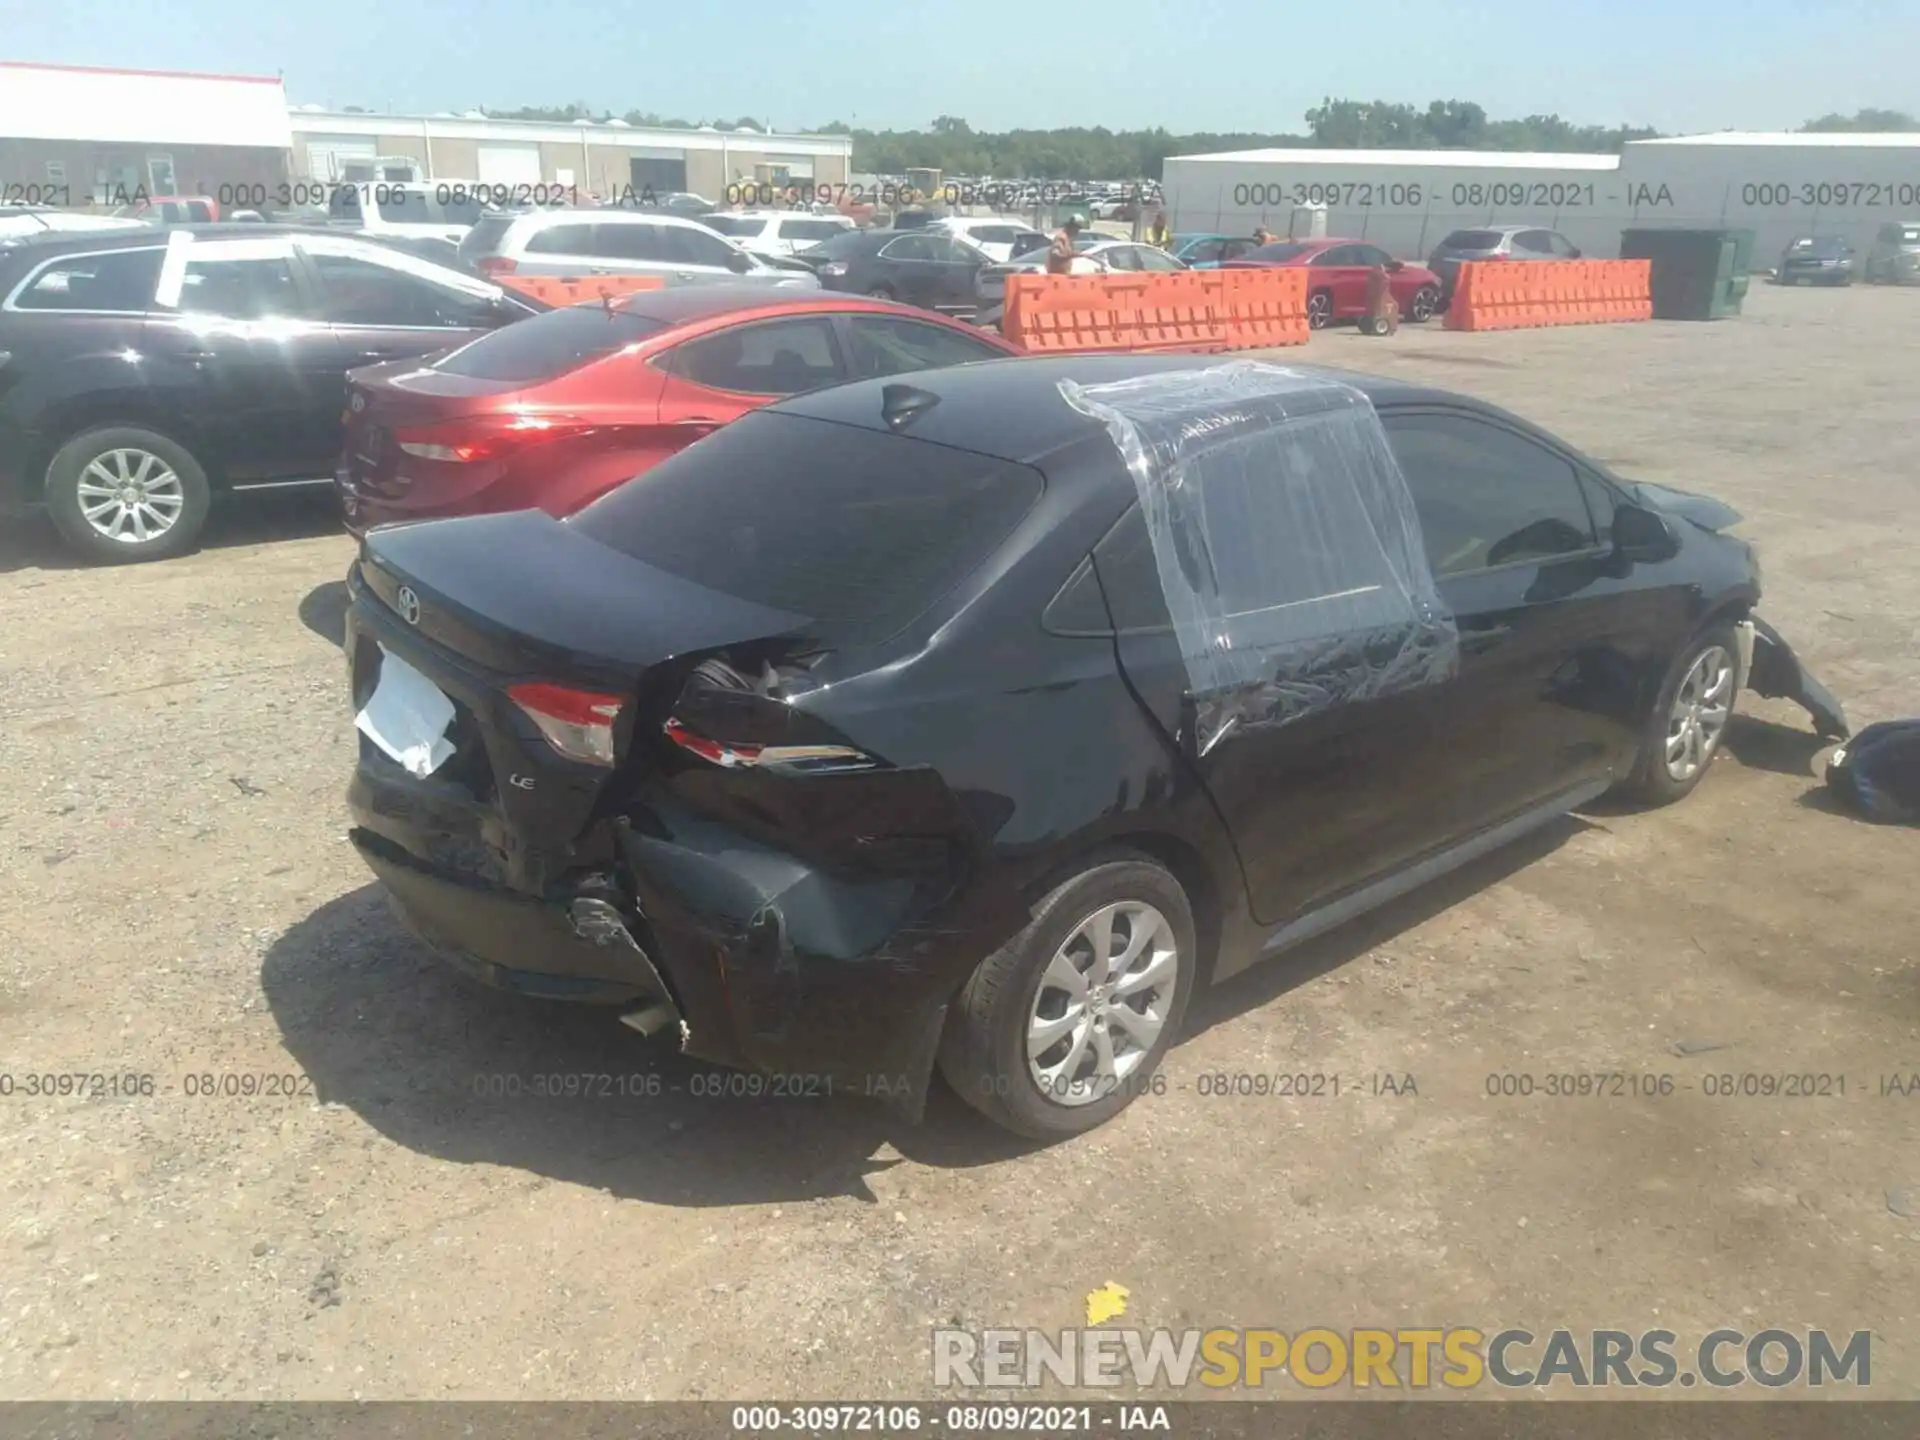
1285, 538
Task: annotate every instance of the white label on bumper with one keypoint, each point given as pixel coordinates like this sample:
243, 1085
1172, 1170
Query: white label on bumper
407, 717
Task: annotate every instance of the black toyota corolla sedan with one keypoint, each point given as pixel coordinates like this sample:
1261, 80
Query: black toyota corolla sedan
970, 721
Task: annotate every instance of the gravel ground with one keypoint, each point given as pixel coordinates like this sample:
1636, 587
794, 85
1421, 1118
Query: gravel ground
181, 902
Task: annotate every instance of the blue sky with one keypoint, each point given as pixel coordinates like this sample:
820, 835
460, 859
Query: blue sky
1186, 64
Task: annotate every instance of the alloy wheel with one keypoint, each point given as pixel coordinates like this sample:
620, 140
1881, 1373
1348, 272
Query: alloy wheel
1426, 300
1701, 708
1102, 1003
1319, 311
130, 496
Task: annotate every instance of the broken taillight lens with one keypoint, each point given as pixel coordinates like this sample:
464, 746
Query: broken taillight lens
577, 723
789, 759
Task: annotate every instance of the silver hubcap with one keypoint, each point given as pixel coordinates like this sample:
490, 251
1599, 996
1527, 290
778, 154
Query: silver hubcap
131, 496
1700, 712
1319, 308
1101, 1003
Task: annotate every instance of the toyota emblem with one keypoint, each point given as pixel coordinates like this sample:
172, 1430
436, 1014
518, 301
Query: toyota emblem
408, 605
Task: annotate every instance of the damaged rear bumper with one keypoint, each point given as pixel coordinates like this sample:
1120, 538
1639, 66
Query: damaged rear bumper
761, 961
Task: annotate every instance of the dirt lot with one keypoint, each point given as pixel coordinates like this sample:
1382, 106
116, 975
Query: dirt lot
179, 900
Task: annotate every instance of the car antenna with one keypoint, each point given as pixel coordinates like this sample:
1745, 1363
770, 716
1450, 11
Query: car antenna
901, 405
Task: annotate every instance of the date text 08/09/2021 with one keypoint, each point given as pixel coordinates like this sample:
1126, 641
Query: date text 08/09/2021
890, 1418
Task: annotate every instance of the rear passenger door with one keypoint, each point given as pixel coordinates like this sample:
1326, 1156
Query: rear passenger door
1555, 636
380, 305
720, 376
1339, 272
907, 268
565, 249
235, 322
955, 264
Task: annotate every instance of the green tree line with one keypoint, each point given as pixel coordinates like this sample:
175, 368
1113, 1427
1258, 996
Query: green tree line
954, 147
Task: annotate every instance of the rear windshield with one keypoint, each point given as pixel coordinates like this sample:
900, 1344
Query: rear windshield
548, 345
859, 530
811, 229
1472, 240
733, 224
485, 236
847, 244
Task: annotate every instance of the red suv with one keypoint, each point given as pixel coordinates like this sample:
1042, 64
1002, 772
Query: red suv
555, 411
1337, 286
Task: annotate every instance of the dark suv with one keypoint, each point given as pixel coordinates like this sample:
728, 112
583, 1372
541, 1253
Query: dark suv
144, 371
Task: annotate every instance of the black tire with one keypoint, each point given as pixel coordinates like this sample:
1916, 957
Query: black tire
983, 1053
1319, 309
1425, 305
64, 503
1652, 783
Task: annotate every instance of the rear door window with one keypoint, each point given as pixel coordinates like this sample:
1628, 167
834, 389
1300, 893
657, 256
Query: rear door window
809, 232
883, 345
694, 245
241, 287
860, 530
120, 281
1486, 495
1472, 240
359, 290
562, 240
1533, 242
781, 357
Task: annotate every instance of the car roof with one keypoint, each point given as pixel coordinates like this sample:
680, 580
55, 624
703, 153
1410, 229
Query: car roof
772, 215
1012, 409
685, 304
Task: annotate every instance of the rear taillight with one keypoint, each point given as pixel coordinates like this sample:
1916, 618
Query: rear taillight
483, 437
790, 759
577, 723
496, 265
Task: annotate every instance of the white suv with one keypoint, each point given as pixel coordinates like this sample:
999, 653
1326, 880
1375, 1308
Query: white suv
1002, 240
776, 232
406, 209
619, 242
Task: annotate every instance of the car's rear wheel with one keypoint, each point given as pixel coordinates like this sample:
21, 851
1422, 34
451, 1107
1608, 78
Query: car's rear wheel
1319, 310
1065, 1024
1689, 719
1425, 304
122, 494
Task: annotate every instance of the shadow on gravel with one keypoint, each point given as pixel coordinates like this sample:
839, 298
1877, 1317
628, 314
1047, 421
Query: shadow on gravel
426, 1058
28, 540
449, 1068
323, 610
1766, 745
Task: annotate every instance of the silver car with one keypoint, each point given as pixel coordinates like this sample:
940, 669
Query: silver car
1093, 255
619, 242
1895, 256
1495, 242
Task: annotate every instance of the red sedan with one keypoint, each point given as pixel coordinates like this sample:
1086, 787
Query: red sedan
1337, 288
552, 412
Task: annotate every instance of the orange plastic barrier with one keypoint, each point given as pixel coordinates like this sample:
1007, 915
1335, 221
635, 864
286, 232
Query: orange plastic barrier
1526, 294
1196, 310
557, 290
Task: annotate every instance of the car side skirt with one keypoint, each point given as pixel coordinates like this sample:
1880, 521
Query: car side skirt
1411, 877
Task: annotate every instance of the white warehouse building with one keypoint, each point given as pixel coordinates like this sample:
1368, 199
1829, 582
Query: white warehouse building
1778, 185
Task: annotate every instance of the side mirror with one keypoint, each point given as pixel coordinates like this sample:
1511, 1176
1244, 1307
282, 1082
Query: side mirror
1643, 535
1576, 253
740, 263
1396, 265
